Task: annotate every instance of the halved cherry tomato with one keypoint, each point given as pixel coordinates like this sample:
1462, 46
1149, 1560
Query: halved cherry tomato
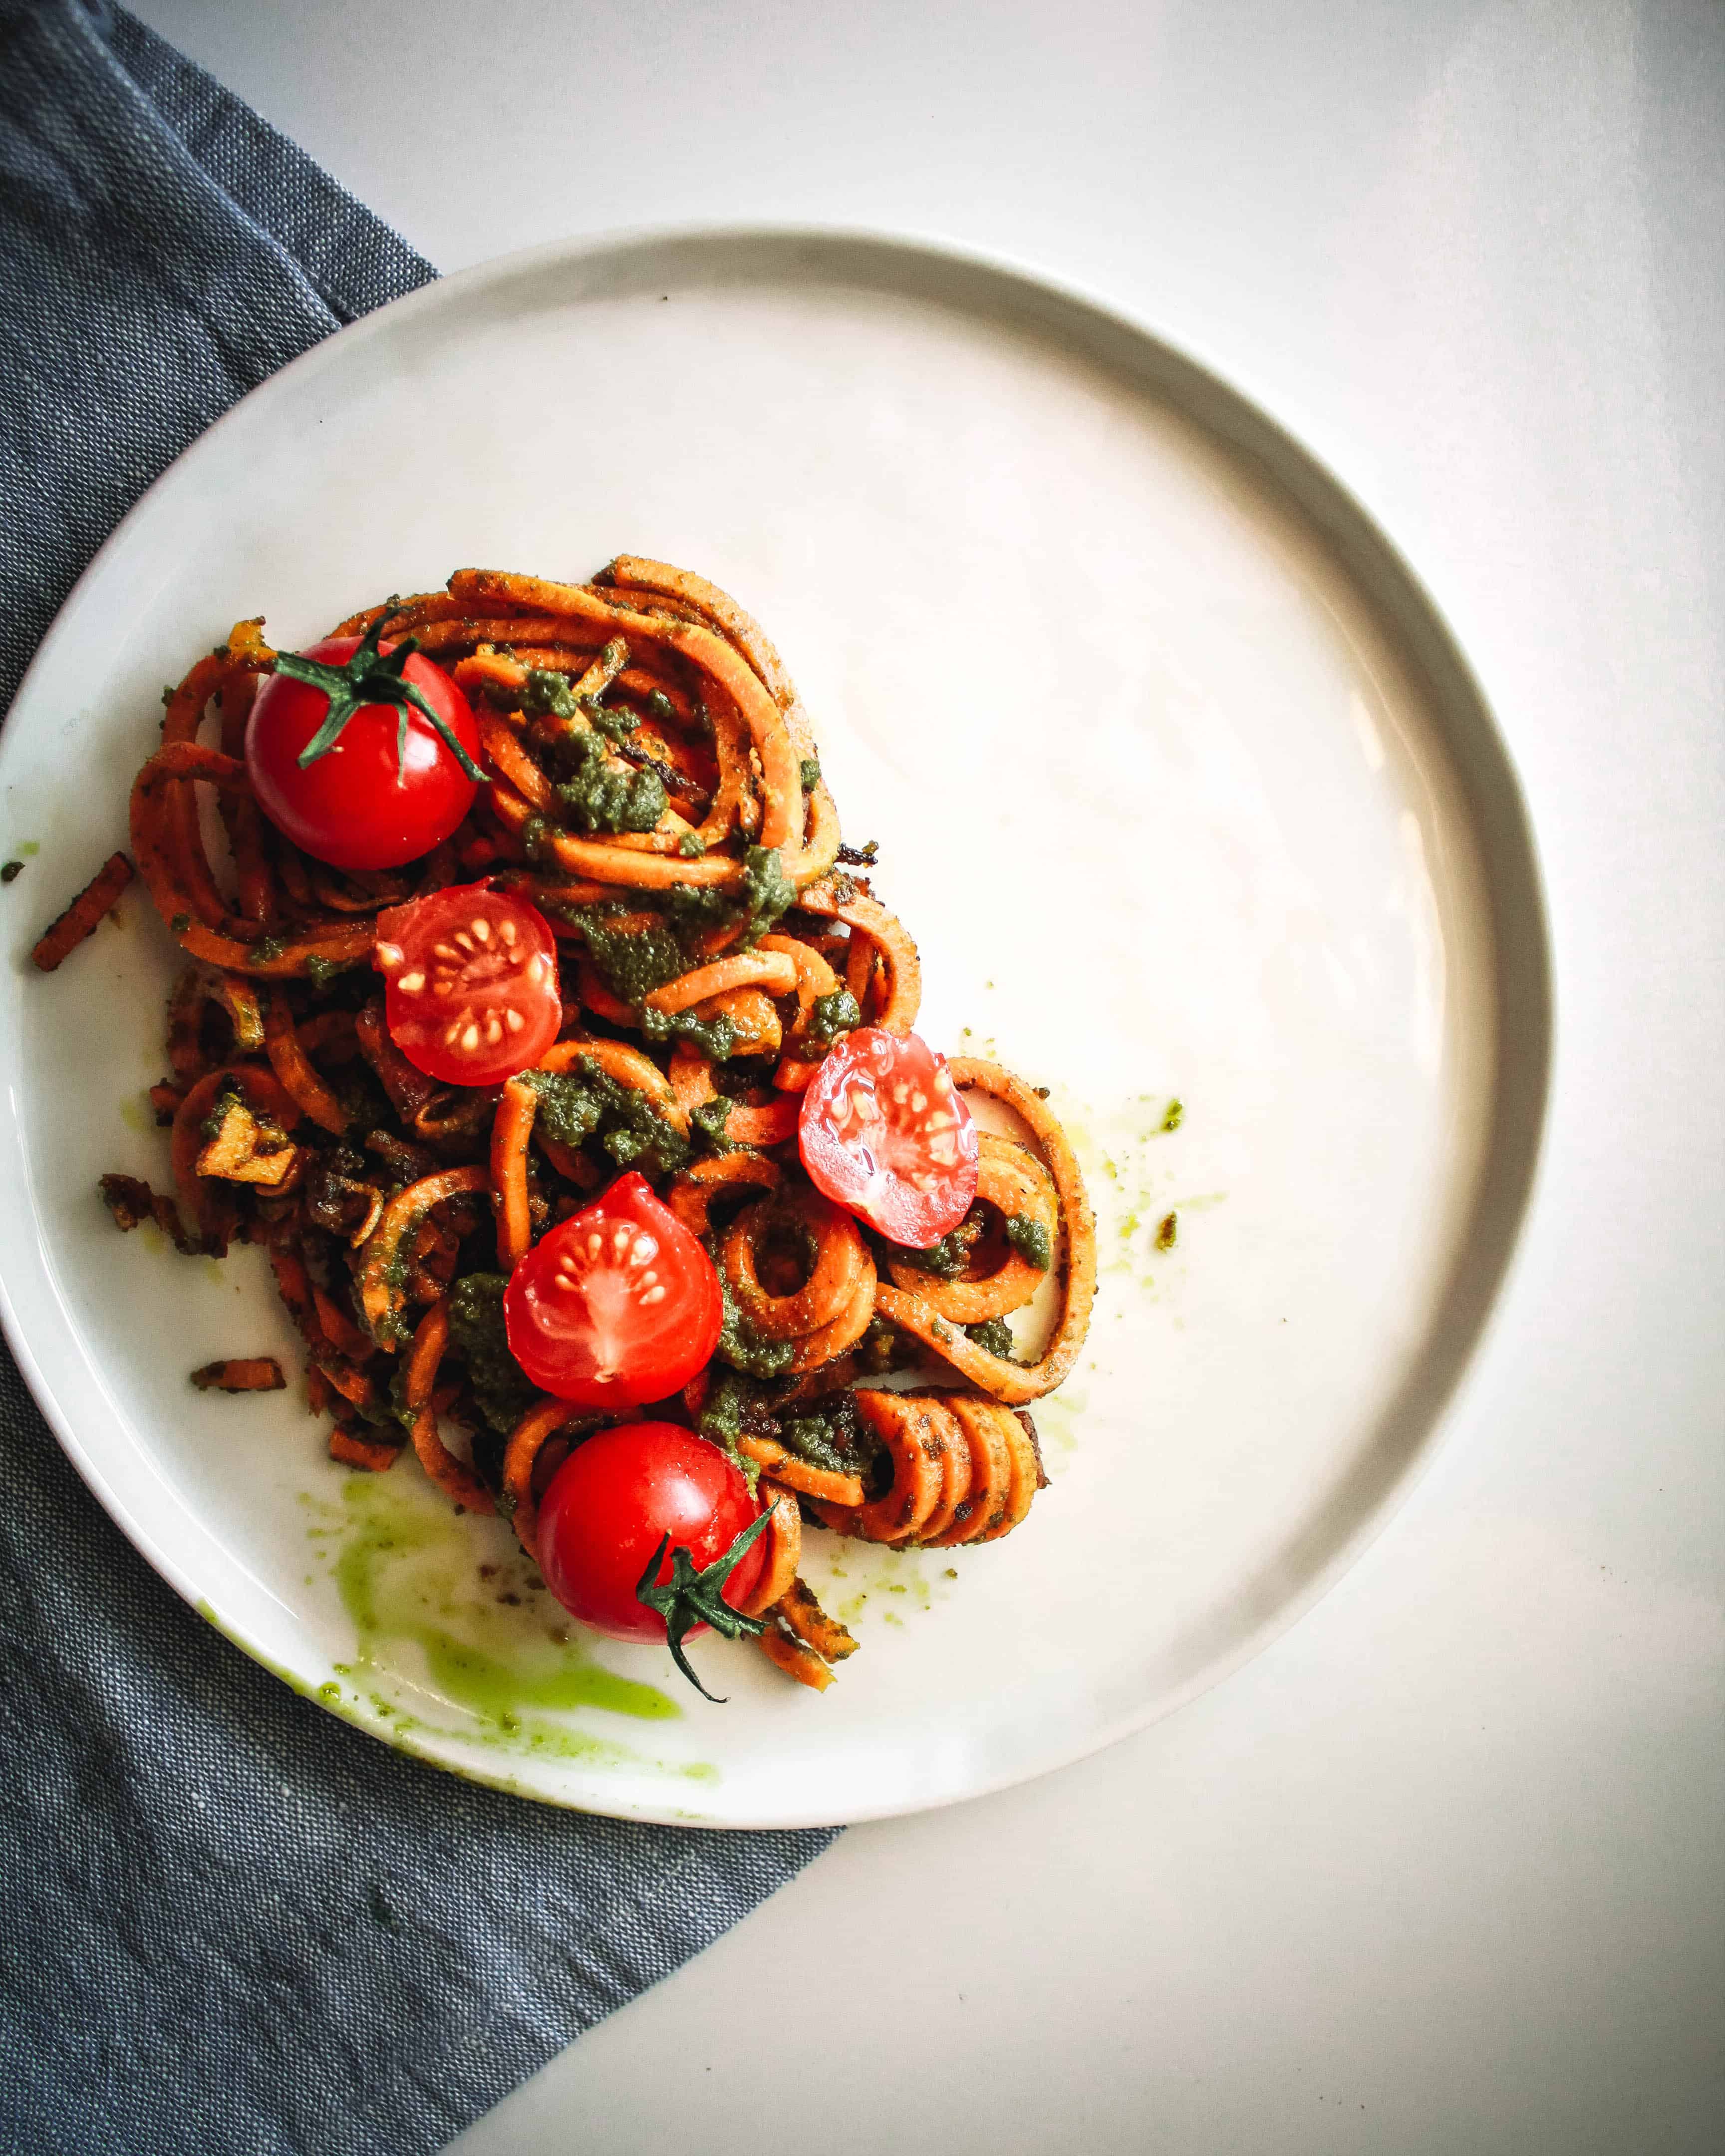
884, 1131
472, 973
617, 1306
616, 1498
358, 805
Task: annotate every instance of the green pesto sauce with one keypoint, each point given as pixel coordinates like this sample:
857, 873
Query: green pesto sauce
585, 1102
828, 1433
1030, 1240
946, 1260
831, 1015
547, 695
994, 1335
617, 722
715, 1037
739, 1343
707, 1122
1175, 1116
500, 1384
809, 772
537, 834
408, 1574
729, 1398
882, 1349
1168, 1233
594, 796
635, 961
761, 897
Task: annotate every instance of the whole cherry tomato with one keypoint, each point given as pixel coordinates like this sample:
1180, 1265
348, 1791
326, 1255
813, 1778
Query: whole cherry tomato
472, 992
365, 754
884, 1131
617, 1306
621, 1494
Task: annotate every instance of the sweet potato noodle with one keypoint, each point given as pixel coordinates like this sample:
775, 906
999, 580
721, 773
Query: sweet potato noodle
655, 790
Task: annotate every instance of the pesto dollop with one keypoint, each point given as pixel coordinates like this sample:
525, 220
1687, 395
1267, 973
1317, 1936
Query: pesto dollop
828, 1433
594, 796
739, 1343
994, 1335
715, 1037
586, 1102
828, 1016
635, 960
1030, 1240
734, 1404
499, 1385
706, 1124
547, 695
947, 1259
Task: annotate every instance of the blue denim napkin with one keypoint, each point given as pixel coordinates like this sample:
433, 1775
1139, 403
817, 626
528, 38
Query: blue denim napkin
229, 1922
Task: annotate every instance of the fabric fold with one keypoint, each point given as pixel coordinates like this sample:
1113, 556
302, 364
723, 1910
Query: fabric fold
232, 1923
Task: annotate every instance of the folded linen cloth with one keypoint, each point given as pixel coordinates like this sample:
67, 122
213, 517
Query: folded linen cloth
230, 1921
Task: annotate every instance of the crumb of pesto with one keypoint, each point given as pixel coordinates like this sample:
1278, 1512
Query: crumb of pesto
1175, 1116
1168, 1234
1030, 1240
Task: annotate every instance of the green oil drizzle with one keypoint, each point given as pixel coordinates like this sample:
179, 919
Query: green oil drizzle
413, 1575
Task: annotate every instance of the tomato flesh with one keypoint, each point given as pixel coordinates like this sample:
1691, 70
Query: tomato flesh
612, 1503
471, 993
618, 1305
884, 1131
359, 806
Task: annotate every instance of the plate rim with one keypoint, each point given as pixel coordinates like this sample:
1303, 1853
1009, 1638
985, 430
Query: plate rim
1028, 293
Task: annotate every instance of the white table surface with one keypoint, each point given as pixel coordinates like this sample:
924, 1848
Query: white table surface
1443, 1871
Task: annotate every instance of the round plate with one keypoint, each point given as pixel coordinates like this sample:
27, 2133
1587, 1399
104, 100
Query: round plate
1188, 797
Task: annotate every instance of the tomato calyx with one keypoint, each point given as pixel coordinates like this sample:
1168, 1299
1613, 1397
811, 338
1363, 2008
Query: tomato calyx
369, 676
689, 1597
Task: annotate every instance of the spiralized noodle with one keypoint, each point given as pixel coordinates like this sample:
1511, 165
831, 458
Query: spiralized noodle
702, 962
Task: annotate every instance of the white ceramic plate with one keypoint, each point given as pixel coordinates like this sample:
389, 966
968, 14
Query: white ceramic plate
1184, 790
